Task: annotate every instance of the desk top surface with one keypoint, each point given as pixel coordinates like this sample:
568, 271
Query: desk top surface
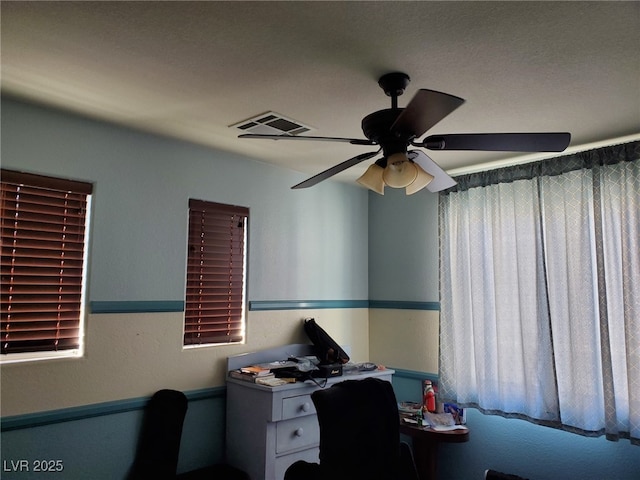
310, 384
283, 352
445, 436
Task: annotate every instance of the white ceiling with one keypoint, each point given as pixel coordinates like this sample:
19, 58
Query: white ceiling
192, 69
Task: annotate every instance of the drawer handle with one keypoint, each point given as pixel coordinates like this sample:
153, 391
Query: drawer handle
306, 407
299, 432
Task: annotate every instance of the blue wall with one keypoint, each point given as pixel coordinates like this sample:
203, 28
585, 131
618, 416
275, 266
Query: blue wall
99, 442
142, 185
403, 246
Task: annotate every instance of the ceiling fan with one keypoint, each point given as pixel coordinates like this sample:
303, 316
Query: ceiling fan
395, 129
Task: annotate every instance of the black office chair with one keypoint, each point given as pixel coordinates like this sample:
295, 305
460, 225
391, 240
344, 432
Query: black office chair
495, 475
159, 443
359, 435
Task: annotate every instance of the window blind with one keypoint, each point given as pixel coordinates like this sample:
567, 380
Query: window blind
43, 242
214, 307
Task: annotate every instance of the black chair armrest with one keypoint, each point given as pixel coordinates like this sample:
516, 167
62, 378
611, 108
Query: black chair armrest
408, 466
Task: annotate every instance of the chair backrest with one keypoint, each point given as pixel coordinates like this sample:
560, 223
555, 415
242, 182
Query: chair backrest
159, 442
359, 430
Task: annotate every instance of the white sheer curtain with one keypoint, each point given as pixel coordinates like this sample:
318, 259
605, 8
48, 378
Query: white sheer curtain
540, 295
620, 302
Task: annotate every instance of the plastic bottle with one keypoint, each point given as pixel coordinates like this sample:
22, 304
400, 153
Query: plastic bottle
419, 416
429, 397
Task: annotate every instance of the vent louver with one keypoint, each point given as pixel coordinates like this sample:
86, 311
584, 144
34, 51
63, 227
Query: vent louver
271, 123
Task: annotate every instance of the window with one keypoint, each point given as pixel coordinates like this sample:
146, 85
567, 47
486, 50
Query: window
539, 293
216, 272
44, 237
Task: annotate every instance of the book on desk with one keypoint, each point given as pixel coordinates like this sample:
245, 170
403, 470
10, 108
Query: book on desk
269, 379
268, 373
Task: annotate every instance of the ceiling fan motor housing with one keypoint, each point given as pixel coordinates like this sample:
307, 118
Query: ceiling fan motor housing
377, 128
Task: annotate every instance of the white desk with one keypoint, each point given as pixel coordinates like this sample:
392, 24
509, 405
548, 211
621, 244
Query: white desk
269, 428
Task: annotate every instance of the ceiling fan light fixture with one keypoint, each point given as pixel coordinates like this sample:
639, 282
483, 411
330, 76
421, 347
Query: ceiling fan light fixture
372, 178
399, 172
422, 180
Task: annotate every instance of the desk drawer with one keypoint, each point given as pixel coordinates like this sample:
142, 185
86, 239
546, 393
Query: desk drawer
299, 406
285, 461
297, 433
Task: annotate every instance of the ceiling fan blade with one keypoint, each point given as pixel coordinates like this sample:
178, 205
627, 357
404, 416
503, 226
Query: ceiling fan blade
310, 182
425, 109
513, 142
441, 179
353, 141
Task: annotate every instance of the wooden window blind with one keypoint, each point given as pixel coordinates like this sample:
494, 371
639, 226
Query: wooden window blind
43, 243
214, 307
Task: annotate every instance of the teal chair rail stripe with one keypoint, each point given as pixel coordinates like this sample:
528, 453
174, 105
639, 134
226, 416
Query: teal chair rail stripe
256, 305
71, 414
401, 305
38, 419
98, 307
318, 304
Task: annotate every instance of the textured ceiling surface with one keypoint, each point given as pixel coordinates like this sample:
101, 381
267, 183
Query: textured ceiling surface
192, 69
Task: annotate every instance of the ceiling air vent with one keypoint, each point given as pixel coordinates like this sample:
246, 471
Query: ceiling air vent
272, 123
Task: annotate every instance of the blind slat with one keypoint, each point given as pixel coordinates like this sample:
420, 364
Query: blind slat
213, 318
26, 346
43, 332
40, 316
